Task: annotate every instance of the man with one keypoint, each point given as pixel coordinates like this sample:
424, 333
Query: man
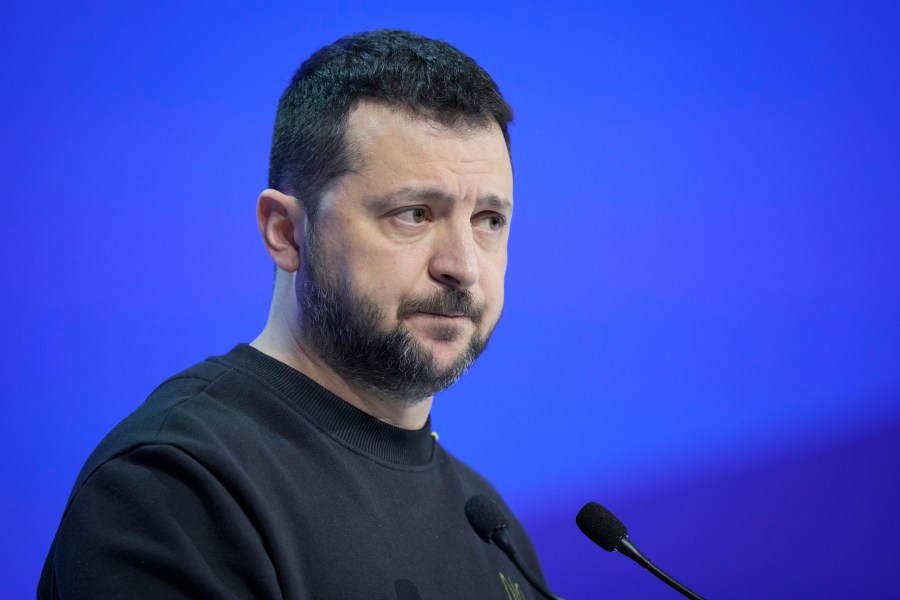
303, 465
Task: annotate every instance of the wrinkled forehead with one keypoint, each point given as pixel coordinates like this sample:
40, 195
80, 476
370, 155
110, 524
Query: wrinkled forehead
369, 118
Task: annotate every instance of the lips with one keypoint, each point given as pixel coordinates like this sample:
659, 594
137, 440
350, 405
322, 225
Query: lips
452, 304
446, 315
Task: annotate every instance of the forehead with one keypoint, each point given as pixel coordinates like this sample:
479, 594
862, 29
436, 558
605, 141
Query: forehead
391, 144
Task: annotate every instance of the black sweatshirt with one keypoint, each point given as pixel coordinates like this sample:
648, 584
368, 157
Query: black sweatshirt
243, 478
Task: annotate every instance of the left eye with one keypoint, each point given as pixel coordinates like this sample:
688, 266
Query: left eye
492, 222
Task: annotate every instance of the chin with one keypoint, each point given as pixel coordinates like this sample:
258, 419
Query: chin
447, 355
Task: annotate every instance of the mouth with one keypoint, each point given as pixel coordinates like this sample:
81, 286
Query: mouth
450, 309
447, 315
440, 327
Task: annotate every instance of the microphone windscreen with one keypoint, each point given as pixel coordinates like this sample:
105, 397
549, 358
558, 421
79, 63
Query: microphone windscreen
484, 515
601, 526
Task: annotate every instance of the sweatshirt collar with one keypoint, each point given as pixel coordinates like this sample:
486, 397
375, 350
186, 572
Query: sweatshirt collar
337, 418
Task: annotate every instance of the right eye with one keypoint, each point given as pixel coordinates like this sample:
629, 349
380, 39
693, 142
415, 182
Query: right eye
413, 215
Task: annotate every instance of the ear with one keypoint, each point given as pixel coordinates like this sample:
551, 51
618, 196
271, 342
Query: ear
282, 223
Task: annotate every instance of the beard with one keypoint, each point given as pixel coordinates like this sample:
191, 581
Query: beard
344, 326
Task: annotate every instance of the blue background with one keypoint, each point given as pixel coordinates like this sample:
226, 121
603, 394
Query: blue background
703, 320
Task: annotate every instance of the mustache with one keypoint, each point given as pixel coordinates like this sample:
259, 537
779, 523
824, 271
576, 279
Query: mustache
450, 302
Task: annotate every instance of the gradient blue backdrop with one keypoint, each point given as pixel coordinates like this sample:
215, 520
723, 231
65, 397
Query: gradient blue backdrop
703, 319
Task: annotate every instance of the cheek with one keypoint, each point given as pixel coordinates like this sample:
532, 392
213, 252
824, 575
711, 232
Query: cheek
493, 284
386, 274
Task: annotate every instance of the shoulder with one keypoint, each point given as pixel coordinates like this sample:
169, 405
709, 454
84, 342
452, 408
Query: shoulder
189, 412
151, 522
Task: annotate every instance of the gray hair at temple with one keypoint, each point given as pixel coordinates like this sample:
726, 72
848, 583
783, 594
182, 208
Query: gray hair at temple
425, 78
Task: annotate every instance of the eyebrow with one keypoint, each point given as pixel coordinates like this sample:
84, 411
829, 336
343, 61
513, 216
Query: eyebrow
497, 203
408, 194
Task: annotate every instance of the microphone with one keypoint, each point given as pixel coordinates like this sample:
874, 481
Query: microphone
489, 523
608, 532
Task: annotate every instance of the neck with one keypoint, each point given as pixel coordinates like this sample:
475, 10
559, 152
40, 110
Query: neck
281, 339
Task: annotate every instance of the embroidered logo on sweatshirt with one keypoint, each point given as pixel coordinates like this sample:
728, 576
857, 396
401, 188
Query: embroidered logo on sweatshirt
513, 591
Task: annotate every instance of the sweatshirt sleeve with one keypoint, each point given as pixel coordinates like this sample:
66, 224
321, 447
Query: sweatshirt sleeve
154, 523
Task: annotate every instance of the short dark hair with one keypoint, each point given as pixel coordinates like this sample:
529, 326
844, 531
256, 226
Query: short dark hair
424, 77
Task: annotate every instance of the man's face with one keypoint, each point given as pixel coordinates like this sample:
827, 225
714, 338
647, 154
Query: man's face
402, 279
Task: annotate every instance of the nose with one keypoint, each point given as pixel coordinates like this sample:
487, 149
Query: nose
454, 259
